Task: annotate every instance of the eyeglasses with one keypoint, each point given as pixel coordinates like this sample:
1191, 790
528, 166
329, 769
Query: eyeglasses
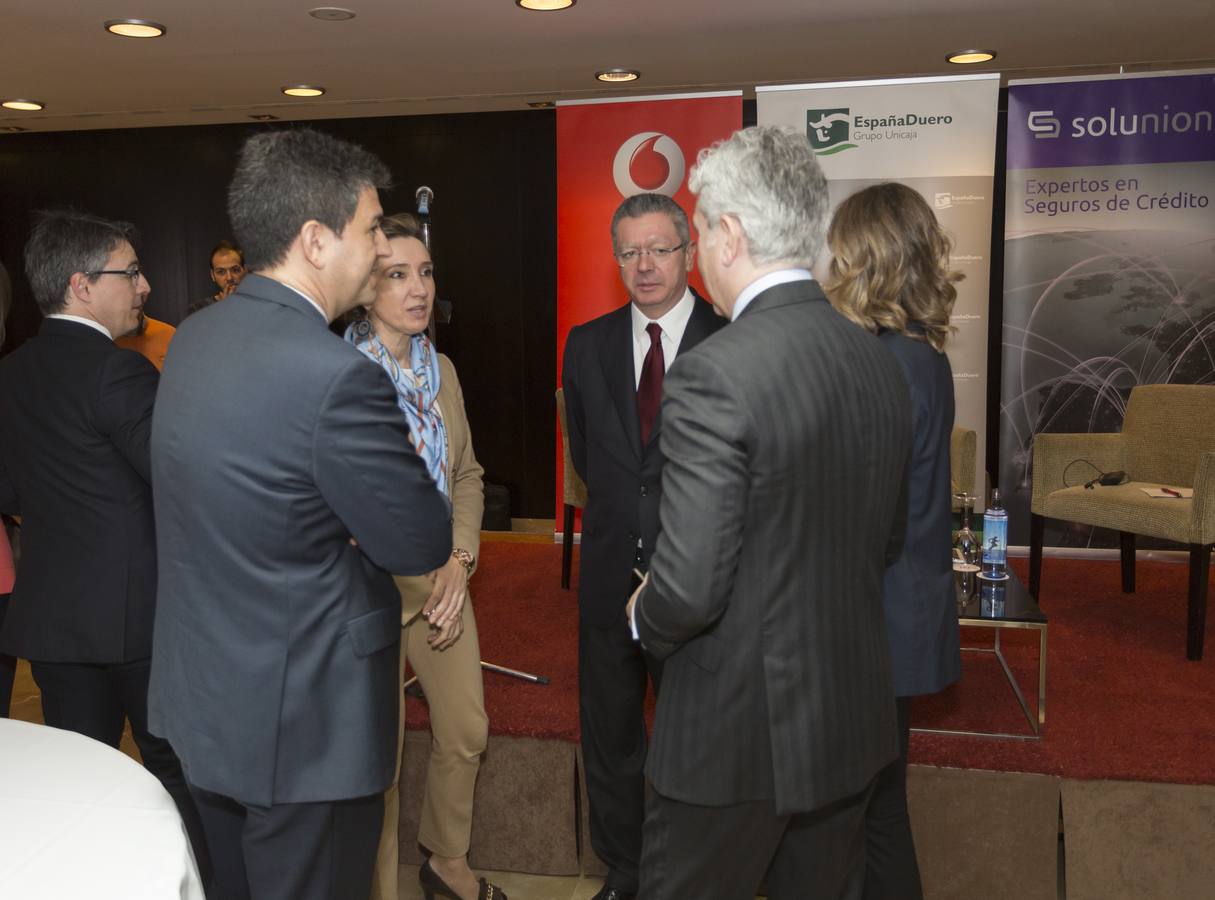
134, 273
632, 256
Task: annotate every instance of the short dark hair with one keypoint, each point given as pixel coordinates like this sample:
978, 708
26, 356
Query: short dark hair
226, 246
285, 178
644, 204
64, 242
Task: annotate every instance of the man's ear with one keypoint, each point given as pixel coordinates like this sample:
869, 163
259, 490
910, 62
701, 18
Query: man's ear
315, 240
79, 287
731, 238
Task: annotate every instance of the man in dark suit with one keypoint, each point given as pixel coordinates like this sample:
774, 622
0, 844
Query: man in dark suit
786, 437
76, 411
286, 490
612, 377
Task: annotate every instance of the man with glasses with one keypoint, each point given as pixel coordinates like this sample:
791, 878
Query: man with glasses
612, 378
76, 414
227, 269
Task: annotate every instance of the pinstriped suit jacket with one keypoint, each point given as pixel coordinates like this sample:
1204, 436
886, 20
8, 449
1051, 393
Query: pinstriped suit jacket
786, 436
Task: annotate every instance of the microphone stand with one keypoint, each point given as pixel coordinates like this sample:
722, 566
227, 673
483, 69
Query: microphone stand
424, 197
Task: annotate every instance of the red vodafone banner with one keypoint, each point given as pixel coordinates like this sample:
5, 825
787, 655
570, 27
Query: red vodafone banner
608, 150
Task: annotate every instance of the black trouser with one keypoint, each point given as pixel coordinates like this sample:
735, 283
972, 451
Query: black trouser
891, 871
612, 674
94, 700
722, 852
8, 665
291, 851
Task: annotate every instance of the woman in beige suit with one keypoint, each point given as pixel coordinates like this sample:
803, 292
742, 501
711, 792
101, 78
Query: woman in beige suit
439, 636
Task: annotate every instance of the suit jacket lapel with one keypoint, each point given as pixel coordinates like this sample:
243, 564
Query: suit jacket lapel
616, 359
700, 324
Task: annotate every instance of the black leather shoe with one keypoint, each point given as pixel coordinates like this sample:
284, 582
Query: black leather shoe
611, 893
433, 885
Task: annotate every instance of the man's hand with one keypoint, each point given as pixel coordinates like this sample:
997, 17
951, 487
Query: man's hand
633, 600
445, 606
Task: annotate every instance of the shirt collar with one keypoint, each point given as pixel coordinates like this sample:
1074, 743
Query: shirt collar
96, 326
761, 284
672, 322
311, 302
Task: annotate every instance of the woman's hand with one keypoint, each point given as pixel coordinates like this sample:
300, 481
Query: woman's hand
445, 607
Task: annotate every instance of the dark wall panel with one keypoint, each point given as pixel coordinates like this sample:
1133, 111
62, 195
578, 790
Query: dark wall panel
494, 220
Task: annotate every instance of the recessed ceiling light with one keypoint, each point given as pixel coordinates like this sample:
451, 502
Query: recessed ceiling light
612, 75
303, 90
13, 129
967, 57
541, 104
545, 5
264, 117
332, 14
23, 105
135, 28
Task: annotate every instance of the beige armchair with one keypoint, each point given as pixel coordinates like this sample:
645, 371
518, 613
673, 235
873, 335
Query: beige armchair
1167, 439
573, 493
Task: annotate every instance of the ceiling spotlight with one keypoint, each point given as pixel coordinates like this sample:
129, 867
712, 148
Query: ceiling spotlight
545, 5
23, 105
332, 14
968, 57
135, 28
12, 129
303, 90
541, 104
614, 75
264, 117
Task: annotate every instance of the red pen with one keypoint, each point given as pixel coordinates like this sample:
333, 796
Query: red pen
1170, 492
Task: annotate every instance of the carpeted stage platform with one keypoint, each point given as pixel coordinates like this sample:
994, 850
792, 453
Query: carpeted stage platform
1126, 753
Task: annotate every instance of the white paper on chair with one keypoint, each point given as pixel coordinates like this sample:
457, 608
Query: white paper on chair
1179, 493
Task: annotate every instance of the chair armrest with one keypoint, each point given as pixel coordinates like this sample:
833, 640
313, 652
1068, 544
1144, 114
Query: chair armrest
1053, 453
1202, 515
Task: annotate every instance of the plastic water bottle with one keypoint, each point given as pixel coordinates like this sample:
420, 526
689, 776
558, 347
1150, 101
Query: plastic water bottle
995, 539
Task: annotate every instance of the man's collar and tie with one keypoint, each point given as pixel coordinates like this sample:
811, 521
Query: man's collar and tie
761, 284
655, 344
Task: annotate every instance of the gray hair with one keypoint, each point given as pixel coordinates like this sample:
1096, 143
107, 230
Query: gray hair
767, 178
64, 242
643, 204
285, 178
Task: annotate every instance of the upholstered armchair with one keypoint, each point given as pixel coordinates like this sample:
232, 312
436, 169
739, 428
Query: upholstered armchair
1167, 439
573, 493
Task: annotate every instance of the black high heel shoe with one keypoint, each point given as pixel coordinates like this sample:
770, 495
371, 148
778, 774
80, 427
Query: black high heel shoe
434, 886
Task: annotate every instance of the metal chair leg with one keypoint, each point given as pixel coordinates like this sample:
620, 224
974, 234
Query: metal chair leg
1037, 527
567, 546
1126, 544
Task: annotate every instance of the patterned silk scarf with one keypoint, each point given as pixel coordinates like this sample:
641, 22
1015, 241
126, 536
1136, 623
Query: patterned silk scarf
417, 394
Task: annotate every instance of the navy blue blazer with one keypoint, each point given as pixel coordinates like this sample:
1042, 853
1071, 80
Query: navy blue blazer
920, 599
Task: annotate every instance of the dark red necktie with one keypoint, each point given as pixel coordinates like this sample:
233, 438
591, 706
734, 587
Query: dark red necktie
649, 389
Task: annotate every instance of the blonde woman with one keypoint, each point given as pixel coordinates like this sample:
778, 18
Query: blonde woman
890, 274
440, 634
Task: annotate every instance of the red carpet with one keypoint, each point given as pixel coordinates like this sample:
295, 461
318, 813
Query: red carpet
1122, 702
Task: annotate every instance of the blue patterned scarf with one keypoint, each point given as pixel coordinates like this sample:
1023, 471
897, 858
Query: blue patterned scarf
417, 394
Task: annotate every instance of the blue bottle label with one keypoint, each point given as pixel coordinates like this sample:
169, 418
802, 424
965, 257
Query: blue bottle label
995, 541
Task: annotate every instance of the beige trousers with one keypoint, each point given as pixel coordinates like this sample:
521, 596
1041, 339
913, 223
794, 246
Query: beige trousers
459, 728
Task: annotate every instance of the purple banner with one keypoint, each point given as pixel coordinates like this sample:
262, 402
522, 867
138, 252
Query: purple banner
1112, 121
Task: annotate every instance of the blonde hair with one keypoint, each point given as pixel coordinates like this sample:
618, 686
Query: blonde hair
890, 264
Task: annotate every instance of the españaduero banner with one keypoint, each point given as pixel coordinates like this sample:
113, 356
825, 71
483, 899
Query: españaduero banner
609, 150
1109, 260
937, 136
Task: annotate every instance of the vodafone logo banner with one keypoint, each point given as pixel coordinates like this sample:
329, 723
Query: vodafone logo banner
608, 150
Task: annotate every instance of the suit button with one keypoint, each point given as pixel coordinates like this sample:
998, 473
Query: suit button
644, 491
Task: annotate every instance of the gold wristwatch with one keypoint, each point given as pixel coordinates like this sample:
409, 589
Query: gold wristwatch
464, 558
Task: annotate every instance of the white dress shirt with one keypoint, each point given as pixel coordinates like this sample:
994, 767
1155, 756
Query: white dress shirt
96, 326
313, 303
673, 325
761, 284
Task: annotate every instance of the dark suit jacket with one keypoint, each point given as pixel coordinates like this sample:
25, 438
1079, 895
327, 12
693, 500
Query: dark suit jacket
274, 442
786, 438
920, 597
623, 478
75, 414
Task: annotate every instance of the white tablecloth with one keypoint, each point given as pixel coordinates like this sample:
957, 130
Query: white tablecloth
79, 819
